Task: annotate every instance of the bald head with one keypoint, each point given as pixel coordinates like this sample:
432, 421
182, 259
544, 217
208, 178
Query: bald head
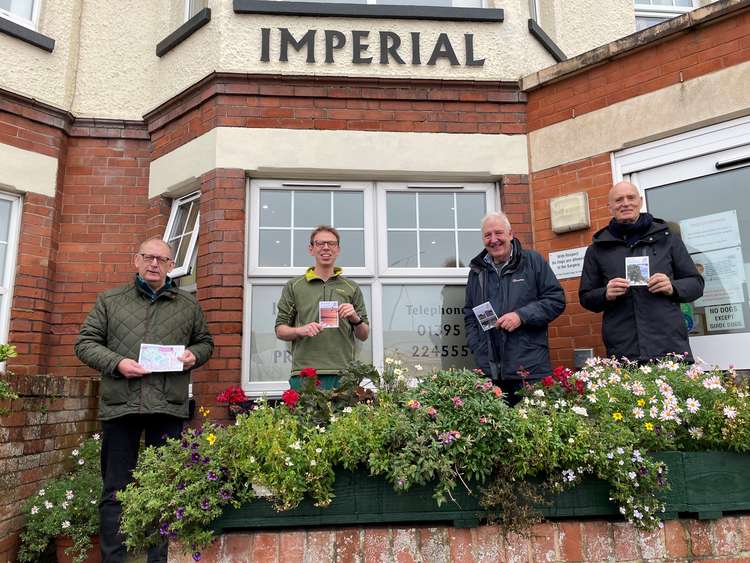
625, 202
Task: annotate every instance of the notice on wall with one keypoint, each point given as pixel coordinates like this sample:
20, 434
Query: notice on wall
567, 263
725, 317
711, 232
724, 274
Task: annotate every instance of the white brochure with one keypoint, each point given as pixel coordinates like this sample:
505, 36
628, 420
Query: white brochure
157, 357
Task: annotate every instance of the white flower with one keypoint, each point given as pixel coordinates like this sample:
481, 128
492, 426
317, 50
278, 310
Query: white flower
692, 405
318, 450
75, 453
397, 362
81, 462
289, 462
569, 475
695, 432
714, 383
730, 412
96, 436
646, 369
389, 360
638, 412
296, 445
348, 409
397, 372
322, 430
637, 514
620, 451
538, 393
313, 462
523, 414
653, 412
64, 504
48, 504
591, 398
580, 411
69, 495
637, 457
571, 440
638, 389
41, 492
65, 525
34, 509
418, 367
93, 501
632, 474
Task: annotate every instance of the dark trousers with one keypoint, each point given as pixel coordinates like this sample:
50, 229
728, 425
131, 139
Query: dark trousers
121, 439
511, 387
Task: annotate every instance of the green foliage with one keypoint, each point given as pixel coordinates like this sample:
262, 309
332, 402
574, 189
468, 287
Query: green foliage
6, 391
66, 506
451, 428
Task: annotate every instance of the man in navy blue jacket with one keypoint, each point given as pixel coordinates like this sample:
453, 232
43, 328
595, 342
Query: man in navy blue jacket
526, 297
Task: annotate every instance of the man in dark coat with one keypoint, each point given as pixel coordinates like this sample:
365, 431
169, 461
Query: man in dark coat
645, 322
526, 297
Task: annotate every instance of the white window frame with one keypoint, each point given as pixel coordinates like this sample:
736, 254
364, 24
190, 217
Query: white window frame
683, 157
189, 8
372, 275
183, 269
8, 275
663, 12
32, 23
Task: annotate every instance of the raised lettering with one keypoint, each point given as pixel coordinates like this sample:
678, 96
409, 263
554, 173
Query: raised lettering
443, 49
308, 40
389, 44
334, 40
358, 47
469, 45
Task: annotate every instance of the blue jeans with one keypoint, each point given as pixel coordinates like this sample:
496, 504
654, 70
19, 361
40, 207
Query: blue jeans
121, 439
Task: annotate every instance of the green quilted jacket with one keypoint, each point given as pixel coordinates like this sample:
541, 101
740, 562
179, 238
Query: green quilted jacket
122, 319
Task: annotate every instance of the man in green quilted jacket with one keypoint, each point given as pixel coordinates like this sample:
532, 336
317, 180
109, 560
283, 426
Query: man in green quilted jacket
133, 400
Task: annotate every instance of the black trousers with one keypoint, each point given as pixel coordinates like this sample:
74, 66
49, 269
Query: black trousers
511, 387
121, 439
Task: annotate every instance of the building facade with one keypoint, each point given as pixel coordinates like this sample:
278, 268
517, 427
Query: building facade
231, 128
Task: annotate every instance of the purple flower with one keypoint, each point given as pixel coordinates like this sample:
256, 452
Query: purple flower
211, 476
197, 556
205, 460
195, 457
179, 513
180, 486
225, 494
164, 529
194, 446
205, 504
184, 444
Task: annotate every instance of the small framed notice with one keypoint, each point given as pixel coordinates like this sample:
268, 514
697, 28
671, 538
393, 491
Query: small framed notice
329, 314
637, 270
156, 357
486, 316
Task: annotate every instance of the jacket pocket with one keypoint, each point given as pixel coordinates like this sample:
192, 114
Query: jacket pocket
176, 388
115, 391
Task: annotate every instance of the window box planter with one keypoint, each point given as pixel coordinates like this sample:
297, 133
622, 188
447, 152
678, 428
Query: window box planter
706, 483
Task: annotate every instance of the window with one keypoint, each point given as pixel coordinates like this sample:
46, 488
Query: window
408, 246
652, 12
192, 7
22, 12
10, 209
182, 233
437, 3
697, 182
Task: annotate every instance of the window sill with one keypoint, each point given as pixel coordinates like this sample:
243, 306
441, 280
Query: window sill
25, 34
317, 9
183, 32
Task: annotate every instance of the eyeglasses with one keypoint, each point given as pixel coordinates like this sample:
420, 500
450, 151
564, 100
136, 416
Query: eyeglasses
148, 258
328, 243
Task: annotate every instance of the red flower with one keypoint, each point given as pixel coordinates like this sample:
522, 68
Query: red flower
231, 395
560, 373
548, 381
580, 386
290, 398
308, 372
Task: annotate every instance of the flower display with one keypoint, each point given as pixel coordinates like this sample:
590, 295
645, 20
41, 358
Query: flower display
450, 429
66, 506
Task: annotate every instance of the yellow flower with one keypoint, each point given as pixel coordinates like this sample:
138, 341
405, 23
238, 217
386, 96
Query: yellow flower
211, 439
648, 426
617, 415
204, 411
641, 402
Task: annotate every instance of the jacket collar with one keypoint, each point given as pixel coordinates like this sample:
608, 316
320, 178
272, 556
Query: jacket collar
478, 263
659, 228
310, 274
167, 290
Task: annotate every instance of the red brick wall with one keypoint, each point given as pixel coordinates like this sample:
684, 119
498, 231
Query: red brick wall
50, 418
687, 55
341, 104
726, 539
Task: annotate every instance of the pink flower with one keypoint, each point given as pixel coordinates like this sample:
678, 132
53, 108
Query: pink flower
457, 401
483, 420
432, 412
412, 404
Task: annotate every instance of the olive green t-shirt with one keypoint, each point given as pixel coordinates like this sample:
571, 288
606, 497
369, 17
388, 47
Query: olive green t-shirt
329, 351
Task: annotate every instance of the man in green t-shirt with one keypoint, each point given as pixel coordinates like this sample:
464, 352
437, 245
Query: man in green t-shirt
321, 312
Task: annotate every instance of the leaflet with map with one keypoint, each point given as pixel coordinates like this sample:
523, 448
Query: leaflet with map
329, 314
156, 357
486, 316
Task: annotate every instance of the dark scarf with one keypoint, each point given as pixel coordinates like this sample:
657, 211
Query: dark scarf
631, 232
148, 290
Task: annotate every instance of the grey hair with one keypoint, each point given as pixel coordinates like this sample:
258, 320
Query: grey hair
499, 215
168, 246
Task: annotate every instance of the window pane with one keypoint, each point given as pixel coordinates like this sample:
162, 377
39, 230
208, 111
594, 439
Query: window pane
423, 324
352, 249
401, 210
5, 209
713, 215
684, 3
470, 210
436, 210
437, 249
195, 6
348, 209
181, 220
402, 249
312, 208
301, 250
3, 256
21, 8
274, 248
275, 206
469, 245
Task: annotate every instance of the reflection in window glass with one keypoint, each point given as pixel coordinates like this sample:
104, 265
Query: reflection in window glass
182, 232
271, 358
287, 217
433, 230
23, 9
424, 324
712, 214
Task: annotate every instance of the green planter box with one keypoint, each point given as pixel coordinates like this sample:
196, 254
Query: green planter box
706, 483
